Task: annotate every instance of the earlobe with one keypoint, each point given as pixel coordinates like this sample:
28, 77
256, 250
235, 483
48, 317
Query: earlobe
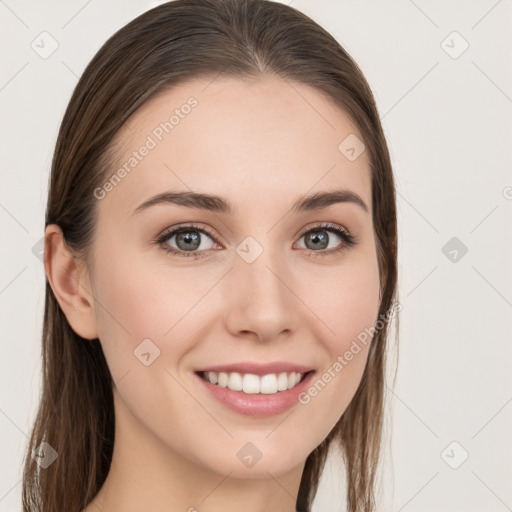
70, 283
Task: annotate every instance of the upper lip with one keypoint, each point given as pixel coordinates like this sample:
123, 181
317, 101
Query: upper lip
257, 368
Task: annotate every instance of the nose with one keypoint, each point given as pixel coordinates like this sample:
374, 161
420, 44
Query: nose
261, 301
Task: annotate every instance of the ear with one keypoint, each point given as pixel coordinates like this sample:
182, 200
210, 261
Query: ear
70, 283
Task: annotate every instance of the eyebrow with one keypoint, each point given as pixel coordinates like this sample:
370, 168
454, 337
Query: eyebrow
218, 204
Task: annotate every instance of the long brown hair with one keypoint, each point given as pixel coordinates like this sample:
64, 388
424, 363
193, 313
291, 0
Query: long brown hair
172, 43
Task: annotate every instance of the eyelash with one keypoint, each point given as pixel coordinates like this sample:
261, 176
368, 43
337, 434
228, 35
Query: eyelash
349, 240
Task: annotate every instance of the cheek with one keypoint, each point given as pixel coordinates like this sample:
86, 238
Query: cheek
354, 312
346, 300
128, 304
347, 305
138, 299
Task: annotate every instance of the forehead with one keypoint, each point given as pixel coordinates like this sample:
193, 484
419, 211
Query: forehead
255, 142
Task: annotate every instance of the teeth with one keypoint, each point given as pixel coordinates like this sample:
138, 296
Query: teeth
235, 382
282, 382
222, 377
252, 384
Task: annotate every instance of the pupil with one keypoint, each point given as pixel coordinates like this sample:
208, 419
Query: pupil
320, 239
190, 238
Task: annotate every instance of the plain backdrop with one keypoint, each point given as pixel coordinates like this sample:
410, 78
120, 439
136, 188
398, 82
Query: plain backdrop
441, 75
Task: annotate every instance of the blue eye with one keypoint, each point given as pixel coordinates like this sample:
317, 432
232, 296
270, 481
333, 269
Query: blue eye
189, 240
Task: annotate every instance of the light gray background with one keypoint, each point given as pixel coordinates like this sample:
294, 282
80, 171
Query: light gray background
448, 122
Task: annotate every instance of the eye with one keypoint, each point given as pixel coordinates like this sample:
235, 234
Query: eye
189, 241
318, 239
192, 240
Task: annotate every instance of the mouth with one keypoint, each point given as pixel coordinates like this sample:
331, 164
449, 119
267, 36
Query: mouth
256, 395
252, 383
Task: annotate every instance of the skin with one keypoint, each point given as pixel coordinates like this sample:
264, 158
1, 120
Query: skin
261, 145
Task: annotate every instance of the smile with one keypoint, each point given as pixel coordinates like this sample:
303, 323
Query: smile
250, 383
252, 395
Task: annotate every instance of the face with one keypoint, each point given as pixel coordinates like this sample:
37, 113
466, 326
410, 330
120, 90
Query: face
263, 283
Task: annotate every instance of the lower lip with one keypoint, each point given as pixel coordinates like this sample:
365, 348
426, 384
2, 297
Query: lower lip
258, 404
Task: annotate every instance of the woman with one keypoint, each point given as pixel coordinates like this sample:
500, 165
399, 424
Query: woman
221, 267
